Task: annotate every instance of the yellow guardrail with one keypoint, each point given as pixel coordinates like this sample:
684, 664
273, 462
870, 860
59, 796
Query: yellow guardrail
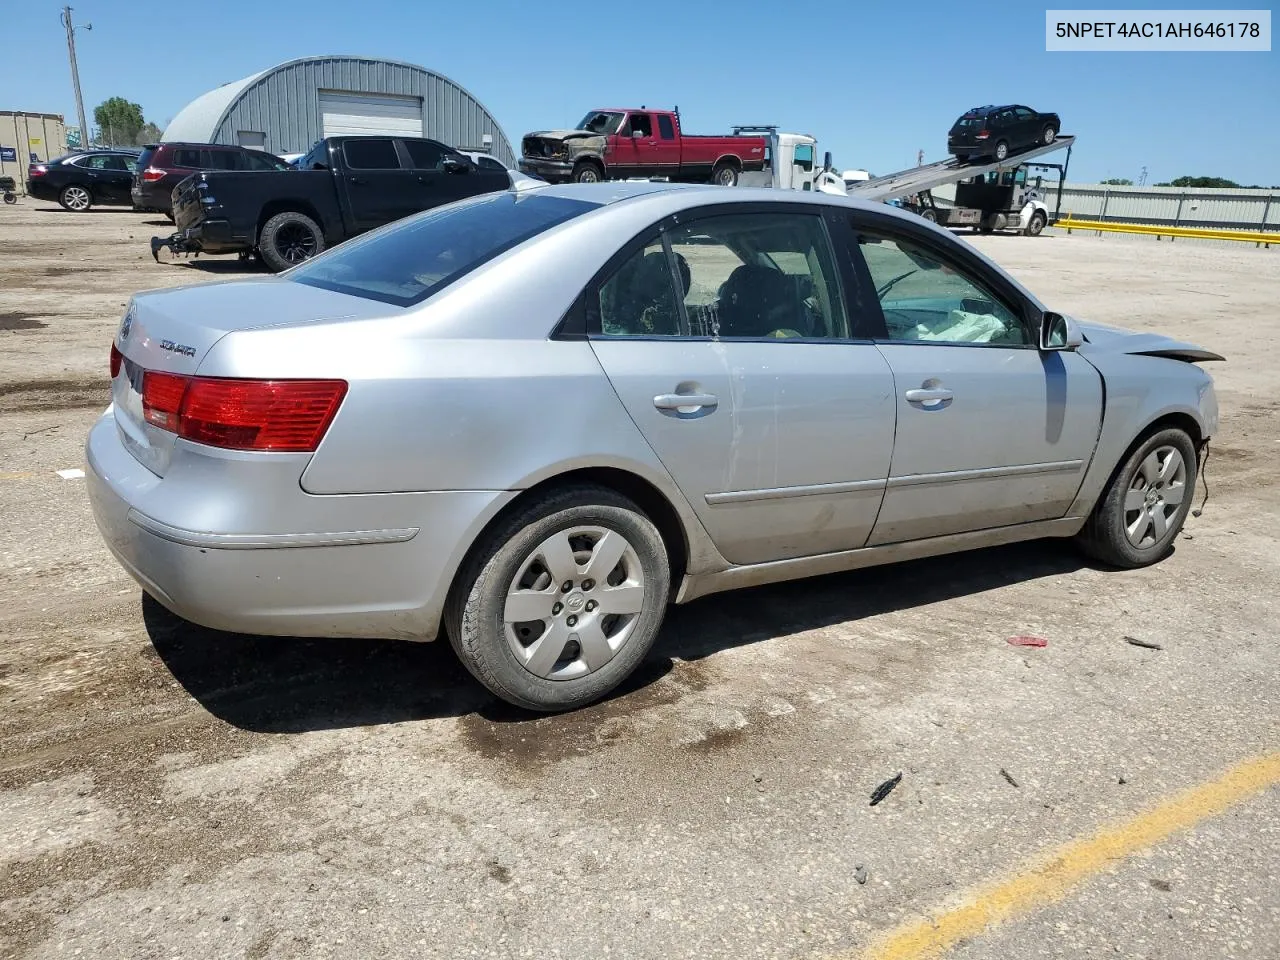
1160, 230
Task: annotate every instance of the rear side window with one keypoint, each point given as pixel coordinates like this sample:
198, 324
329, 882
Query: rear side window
411, 259
190, 159
371, 155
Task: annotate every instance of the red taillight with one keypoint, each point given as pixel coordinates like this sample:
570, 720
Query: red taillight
152, 174
39, 170
983, 134
281, 415
115, 360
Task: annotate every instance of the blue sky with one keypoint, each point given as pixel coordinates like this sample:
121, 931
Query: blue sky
873, 81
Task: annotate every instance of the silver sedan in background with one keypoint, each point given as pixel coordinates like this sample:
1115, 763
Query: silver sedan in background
532, 419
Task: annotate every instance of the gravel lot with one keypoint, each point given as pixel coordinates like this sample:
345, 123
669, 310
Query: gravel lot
168, 791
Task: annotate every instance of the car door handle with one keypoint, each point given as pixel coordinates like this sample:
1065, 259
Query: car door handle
359, 180
676, 401
928, 395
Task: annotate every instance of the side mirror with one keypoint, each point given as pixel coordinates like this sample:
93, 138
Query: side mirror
452, 165
826, 160
637, 134
1058, 332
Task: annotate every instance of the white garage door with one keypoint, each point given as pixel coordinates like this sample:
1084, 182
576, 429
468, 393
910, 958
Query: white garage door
354, 114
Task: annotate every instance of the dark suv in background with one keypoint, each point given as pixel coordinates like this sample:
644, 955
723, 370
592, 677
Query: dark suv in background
162, 166
996, 132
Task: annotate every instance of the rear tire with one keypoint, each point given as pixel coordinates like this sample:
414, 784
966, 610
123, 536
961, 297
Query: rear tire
75, 198
595, 633
1135, 523
287, 239
725, 175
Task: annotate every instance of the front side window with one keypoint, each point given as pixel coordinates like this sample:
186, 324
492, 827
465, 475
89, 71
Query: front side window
424, 154
804, 156
759, 275
226, 160
258, 161
411, 259
641, 125
928, 300
371, 155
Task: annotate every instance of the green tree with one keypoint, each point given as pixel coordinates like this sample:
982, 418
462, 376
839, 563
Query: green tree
149, 133
1118, 182
1218, 182
119, 121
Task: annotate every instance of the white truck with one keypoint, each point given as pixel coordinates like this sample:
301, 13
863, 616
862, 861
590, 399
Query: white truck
790, 163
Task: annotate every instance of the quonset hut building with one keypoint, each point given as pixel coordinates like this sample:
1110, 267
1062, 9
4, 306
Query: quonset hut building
289, 107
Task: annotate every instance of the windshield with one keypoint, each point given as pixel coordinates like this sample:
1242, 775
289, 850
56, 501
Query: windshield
408, 261
605, 122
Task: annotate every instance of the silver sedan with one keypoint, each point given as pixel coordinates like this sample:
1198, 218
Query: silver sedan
533, 419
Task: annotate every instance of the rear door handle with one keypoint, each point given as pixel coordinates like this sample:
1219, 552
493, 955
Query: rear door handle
677, 401
928, 395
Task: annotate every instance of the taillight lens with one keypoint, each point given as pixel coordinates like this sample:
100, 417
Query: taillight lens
39, 170
115, 360
983, 134
152, 174
280, 415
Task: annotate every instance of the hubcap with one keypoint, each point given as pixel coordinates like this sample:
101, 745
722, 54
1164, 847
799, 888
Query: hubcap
574, 603
77, 199
1154, 496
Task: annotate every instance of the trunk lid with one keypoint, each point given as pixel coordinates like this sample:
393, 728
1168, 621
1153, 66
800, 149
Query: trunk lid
171, 331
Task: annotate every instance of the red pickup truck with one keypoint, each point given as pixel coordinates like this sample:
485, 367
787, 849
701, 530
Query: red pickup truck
618, 143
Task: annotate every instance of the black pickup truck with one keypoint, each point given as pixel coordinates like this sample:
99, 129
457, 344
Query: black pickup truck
341, 188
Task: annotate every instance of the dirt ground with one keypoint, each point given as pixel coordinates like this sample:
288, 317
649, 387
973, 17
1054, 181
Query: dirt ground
169, 791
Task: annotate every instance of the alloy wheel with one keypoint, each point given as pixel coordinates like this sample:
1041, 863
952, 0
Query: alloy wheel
76, 198
1155, 494
574, 602
295, 243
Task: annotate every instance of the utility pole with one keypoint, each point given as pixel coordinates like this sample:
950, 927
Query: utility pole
75, 73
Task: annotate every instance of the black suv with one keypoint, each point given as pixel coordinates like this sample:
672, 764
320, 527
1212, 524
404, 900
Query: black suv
162, 166
996, 132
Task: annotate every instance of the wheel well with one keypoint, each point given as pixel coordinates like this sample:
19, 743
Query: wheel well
1181, 421
728, 160
269, 210
592, 160
640, 491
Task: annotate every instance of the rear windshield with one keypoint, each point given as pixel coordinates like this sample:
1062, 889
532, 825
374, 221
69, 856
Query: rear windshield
410, 260
144, 158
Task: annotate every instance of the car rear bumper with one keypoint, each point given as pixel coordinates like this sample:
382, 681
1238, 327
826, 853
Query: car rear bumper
332, 566
41, 190
212, 236
152, 196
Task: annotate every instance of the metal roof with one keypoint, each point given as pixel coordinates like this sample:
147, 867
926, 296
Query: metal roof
198, 119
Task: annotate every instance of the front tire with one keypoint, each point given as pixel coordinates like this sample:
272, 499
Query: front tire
1146, 503
287, 239
587, 172
75, 198
1049, 134
562, 601
725, 175
1035, 226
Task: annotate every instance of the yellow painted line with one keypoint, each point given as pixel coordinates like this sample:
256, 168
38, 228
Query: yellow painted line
17, 476
1052, 877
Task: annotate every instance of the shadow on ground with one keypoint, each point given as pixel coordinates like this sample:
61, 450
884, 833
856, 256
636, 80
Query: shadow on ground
281, 685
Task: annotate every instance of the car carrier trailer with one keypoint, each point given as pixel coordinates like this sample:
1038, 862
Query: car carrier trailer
991, 195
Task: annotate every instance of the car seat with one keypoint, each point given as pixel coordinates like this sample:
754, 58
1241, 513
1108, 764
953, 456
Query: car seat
758, 301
